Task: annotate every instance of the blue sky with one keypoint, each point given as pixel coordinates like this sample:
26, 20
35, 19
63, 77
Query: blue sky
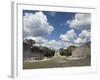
58, 21
71, 28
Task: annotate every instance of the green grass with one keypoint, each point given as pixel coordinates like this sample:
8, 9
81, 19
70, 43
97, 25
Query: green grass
54, 63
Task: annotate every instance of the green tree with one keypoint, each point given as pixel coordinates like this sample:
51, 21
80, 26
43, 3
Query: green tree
67, 52
48, 52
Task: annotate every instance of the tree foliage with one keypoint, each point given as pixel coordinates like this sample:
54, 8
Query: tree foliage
67, 52
48, 52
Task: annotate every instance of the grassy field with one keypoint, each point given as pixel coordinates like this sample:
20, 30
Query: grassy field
57, 62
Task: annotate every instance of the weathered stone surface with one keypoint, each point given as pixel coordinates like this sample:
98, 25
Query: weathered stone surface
82, 51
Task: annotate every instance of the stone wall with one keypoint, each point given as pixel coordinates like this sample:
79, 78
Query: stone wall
81, 51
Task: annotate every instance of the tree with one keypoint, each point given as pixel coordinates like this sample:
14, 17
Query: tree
61, 52
30, 42
67, 52
48, 52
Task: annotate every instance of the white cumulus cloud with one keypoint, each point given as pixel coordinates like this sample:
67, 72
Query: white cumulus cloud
69, 35
84, 37
80, 21
38, 40
36, 24
57, 44
85, 34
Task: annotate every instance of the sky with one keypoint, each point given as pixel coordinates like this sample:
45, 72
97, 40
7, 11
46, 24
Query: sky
56, 29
